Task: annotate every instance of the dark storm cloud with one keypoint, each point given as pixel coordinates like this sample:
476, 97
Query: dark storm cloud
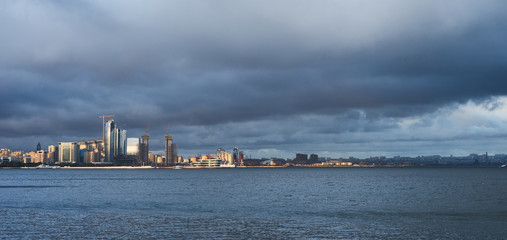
209, 64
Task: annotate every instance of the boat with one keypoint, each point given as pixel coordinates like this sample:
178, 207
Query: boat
503, 166
43, 166
227, 165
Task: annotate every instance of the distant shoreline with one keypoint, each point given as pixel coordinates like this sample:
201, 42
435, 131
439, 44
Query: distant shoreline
291, 166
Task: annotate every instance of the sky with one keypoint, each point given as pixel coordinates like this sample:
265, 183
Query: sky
336, 78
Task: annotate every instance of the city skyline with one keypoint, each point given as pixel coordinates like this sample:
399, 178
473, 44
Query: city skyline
337, 79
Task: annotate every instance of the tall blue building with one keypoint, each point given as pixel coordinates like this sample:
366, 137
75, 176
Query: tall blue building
121, 143
109, 132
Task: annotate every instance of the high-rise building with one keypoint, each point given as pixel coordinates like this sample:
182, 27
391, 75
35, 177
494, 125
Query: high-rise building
144, 150
39, 147
109, 131
171, 153
68, 152
121, 142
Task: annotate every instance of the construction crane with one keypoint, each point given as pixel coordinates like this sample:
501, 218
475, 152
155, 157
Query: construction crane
148, 127
167, 132
103, 123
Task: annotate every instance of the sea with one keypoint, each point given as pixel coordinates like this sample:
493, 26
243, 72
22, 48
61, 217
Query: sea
254, 203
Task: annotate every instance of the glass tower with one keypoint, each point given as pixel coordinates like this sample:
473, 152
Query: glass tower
122, 142
109, 140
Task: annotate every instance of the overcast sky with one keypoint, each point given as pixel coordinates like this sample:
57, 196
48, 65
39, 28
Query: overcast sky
336, 78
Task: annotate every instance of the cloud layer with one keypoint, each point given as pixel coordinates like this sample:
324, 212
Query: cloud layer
337, 77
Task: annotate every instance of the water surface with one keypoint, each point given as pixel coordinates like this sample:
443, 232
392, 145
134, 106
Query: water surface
286, 203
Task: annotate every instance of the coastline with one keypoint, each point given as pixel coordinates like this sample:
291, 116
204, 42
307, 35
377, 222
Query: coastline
244, 167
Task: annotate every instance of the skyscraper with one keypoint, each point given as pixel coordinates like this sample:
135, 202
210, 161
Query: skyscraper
109, 131
122, 142
171, 155
144, 149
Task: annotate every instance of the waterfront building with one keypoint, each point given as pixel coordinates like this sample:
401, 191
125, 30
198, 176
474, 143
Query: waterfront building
115, 141
27, 159
52, 154
226, 157
91, 152
210, 162
237, 157
41, 157
170, 153
68, 152
194, 159
314, 158
17, 156
109, 131
144, 149
301, 158
5, 152
121, 143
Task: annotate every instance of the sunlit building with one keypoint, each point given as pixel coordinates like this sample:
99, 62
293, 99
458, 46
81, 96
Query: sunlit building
5, 152
109, 131
121, 142
30, 157
52, 154
17, 156
68, 152
226, 157
133, 146
41, 157
211, 162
